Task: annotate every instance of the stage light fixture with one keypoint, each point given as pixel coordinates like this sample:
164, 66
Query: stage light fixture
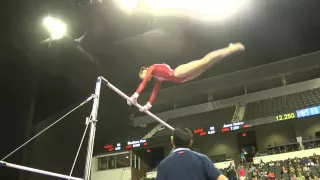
201, 9
56, 27
128, 5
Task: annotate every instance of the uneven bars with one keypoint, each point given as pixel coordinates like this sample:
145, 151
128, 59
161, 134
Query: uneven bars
2, 163
136, 104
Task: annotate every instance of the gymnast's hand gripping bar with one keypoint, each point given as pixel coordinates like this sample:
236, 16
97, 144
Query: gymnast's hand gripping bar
2, 163
136, 104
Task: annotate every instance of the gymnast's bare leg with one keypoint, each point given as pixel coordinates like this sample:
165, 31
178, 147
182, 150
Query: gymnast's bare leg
195, 68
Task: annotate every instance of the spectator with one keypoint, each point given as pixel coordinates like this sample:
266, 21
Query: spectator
231, 172
293, 176
308, 176
185, 164
284, 171
251, 170
255, 178
253, 150
242, 173
315, 178
271, 175
291, 169
300, 176
264, 175
278, 164
299, 169
271, 164
306, 168
243, 155
310, 163
304, 161
262, 163
255, 174
314, 158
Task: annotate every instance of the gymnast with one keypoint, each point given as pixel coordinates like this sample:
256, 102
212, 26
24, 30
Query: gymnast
181, 74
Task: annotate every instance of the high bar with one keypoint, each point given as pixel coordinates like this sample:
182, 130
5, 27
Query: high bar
2, 163
136, 104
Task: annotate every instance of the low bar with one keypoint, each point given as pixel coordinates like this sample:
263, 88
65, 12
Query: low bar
2, 163
137, 105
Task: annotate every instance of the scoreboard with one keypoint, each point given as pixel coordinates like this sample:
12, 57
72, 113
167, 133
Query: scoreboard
311, 111
204, 131
286, 116
234, 126
126, 145
113, 147
308, 112
135, 144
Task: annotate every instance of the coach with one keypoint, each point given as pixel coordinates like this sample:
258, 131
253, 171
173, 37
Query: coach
184, 164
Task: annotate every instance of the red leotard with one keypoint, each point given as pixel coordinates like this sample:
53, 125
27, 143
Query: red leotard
161, 72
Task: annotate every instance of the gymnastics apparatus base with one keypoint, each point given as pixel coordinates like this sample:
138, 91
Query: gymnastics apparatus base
91, 121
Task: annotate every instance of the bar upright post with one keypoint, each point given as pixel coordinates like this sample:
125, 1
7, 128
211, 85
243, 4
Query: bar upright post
93, 123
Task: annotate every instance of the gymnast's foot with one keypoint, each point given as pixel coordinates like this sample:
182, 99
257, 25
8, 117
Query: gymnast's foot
236, 47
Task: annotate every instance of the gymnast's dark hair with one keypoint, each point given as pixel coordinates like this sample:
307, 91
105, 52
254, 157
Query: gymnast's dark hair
182, 137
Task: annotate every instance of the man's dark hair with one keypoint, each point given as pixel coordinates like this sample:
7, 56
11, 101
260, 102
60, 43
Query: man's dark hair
182, 137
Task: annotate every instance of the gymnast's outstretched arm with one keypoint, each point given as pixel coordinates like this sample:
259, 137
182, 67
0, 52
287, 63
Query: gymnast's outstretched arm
141, 87
153, 96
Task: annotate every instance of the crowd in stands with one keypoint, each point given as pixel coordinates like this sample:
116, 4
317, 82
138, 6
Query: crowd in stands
307, 168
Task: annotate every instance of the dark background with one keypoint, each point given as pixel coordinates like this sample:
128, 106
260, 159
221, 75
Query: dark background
38, 82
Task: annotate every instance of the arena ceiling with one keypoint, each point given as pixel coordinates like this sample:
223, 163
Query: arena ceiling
120, 44
117, 45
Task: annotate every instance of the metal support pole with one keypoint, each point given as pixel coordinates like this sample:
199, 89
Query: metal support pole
283, 80
245, 89
93, 123
136, 104
2, 163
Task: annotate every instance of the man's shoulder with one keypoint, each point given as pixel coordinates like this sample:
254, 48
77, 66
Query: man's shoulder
166, 159
199, 155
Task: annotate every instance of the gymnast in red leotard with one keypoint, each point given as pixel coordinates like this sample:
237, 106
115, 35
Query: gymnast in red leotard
181, 74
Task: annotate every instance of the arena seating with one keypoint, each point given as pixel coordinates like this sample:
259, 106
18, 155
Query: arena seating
283, 104
264, 108
295, 167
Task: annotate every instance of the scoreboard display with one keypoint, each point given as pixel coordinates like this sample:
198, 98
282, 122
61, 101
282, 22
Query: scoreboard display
308, 112
234, 126
135, 144
286, 116
311, 111
204, 131
113, 147
126, 146
225, 128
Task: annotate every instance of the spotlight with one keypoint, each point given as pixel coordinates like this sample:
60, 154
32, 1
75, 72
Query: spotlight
128, 5
56, 28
